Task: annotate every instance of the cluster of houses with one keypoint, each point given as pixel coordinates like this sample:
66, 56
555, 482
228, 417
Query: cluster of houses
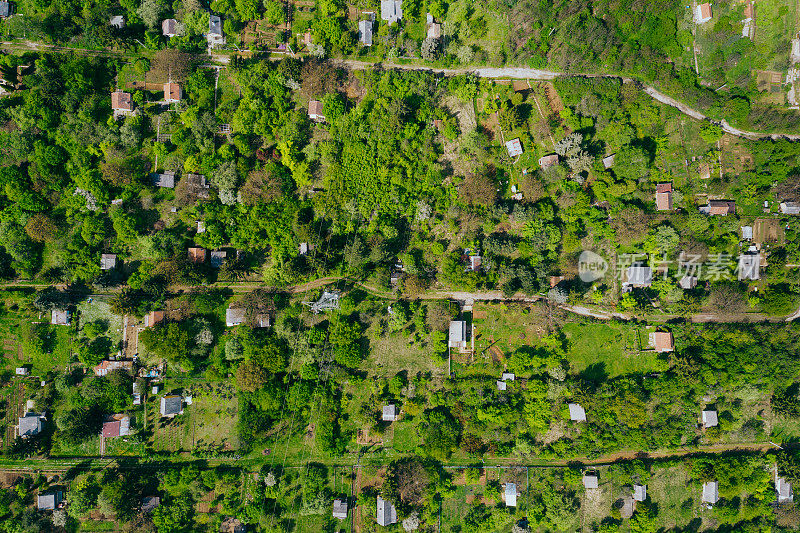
122, 104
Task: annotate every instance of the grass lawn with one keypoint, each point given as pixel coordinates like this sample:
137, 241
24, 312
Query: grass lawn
395, 352
613, 347
99, 309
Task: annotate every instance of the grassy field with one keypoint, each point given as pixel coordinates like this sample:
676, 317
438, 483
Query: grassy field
208, 424
99, 309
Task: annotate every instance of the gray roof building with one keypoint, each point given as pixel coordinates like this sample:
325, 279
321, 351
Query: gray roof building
171, 405
5, 9
391, 10
511, 495
49, 500
640, 275
149, 503
640, 493
234, 316
710, 492
790, 208
108, 261
60, 317
166, 180
169, 27
458, 334
214, 25
389, 413
340, 509
577, 413
218, 257
387, 514
30, 425
591, 481
749, 266
709, 419
117, 21
784, 490
688, 282
365, 32
501, 385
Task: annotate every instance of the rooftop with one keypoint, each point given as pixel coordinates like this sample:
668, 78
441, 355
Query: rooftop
577, 413
234, 316
171, 405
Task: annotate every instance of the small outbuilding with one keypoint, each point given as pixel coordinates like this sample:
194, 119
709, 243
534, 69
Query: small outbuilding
218, 258
708, 419
215, 37
719, 208
639, 275
109, 366
172, 92
664, 197
458, 334
121, 103
390, 413
591, 481
6, 9
548, 161
640, 493
783, 489
790, 208
108, 261
152, 318
501, 385
22, 371
391, 11
60, 317
514, 147
710, 492
577, 413
749, 266
234, 316
365, 32
315, 112
387, 514
662, 341
149, 503
165, 180
510, 495
197, 255
608, 161
688, 282
340, 509
171, 405
50, 500
169, 28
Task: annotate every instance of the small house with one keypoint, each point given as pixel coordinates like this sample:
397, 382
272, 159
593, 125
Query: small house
510, 495
365, 32
688, 282
262, 320
109, 366
108, 261
749, 266
391, 12
152, 318
790, 208
6, 9
638, 275
608, 161
136, 394
747, 233
121, 103
172, 92
514, 148
662, 341
22, 371
218, 257
508, 376
591, 481
149, 503
118, 425
303, 248
709, 419
197, 255
387, 514
169, 28
30, 425
50, 500
501, 385
215, 37
577, 413
165, 180
458, 334
548, 161
719, 207
702, 13
434, 31
234, 316
390, 413
340, 509
315, 111
171, 405
640, 493
783, 490
664, 197
60, 317
710, 492
117, 21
